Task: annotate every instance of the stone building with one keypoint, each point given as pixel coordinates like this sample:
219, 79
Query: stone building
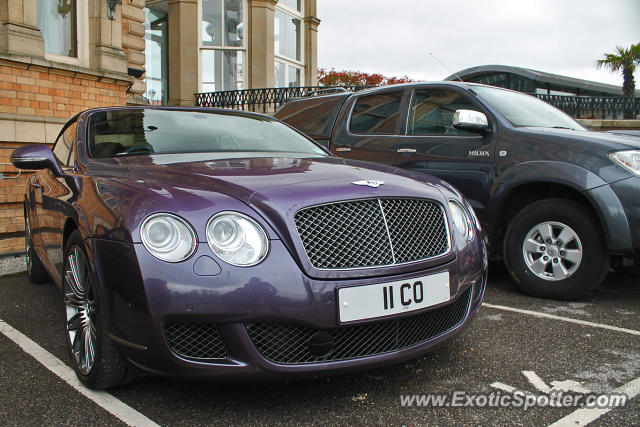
59, 57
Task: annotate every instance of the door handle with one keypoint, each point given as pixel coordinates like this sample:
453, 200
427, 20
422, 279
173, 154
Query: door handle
343, 149
407, 150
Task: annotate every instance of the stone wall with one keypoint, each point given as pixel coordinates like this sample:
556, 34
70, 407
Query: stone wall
605, 125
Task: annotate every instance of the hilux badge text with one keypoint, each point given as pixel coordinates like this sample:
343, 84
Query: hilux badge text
479, 153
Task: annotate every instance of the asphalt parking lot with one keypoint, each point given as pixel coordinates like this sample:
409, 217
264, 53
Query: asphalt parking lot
516, 342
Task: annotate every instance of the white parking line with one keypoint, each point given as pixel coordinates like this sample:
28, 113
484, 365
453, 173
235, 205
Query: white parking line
103, 399
584, 416
564, 319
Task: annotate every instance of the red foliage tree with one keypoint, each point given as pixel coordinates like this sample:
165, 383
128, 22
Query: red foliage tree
356, 78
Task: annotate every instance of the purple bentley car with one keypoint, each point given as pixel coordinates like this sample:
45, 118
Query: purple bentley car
196, 243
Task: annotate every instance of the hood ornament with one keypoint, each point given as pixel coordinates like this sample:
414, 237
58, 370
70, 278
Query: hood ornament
369, 182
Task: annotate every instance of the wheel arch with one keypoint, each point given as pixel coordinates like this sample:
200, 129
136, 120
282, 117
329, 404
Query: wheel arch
70, 226
521, 194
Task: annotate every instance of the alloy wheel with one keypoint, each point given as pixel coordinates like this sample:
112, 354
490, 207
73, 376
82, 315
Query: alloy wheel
80, 304
552, 251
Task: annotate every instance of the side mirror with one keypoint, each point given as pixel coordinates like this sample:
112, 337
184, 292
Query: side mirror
35, 157
470, 120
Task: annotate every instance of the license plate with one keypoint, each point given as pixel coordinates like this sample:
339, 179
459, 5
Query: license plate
384, 299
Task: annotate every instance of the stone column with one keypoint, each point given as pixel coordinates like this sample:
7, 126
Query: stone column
183, 51
261, 43
311, 23
105, 38
19, 32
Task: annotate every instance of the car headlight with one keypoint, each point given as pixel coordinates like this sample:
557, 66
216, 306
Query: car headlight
473, 215
461, 219
630, 160
237, 239
168, 237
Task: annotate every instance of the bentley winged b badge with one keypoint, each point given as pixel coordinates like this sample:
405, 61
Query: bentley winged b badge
369, 182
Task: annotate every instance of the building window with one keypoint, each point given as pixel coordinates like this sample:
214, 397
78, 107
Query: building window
222, 44
289, 63
58, 24
156, 53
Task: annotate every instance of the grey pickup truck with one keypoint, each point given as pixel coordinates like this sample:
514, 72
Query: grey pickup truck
560, 204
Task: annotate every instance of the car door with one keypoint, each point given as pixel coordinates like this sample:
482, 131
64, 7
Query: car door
431, 143
56, 195
369, 125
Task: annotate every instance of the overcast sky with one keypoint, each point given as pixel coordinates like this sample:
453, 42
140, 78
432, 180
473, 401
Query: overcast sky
394, 37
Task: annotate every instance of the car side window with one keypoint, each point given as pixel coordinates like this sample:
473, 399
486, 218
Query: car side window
64, 147
432, 112
376, 114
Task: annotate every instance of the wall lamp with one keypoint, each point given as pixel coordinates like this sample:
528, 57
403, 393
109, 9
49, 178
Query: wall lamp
111, 8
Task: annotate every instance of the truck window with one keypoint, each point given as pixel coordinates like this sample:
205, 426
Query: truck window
376, 114
312, 116
432, 112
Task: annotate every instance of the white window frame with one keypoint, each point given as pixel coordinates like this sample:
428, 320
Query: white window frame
82, 39
292, 62
243, 48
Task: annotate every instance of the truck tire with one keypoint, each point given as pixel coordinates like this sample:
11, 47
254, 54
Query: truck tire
554, 248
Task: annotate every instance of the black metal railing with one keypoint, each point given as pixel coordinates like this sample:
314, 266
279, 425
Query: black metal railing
268, 100
265, 100
595, 107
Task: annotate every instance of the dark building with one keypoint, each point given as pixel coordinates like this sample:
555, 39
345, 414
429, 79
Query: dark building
535, 82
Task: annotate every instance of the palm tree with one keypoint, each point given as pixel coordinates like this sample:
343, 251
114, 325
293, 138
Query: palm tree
625, 60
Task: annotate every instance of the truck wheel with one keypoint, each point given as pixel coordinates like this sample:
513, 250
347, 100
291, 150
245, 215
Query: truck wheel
554, 249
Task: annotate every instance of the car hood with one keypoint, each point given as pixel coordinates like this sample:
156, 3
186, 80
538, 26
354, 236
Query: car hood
253, 178
271, 189
605, 139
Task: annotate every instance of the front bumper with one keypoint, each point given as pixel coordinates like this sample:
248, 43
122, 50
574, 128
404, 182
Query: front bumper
146, 297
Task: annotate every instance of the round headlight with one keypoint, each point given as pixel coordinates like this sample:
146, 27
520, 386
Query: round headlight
461, 219
474, 217
237, 239
168, 237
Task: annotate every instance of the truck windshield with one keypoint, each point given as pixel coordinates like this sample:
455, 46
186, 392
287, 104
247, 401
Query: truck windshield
525, 110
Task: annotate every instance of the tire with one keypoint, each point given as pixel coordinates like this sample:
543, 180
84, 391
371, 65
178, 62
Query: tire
36, 272
542, 264
96, 361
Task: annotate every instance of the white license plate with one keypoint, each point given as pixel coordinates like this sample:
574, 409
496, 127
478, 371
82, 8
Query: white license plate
384, 299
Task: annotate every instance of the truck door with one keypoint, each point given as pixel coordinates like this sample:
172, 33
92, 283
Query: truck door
432, 145
368, 127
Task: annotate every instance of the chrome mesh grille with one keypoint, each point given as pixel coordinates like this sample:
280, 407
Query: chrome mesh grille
289, 344
372, 232
344, 235
200, 341
416, 228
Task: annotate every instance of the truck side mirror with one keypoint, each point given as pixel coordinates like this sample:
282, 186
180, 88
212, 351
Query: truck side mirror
471, 120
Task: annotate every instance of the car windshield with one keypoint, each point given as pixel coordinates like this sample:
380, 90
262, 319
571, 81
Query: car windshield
118, 133
525, 110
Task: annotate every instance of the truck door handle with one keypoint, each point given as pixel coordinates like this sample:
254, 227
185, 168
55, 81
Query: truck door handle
343, 149
407, 150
